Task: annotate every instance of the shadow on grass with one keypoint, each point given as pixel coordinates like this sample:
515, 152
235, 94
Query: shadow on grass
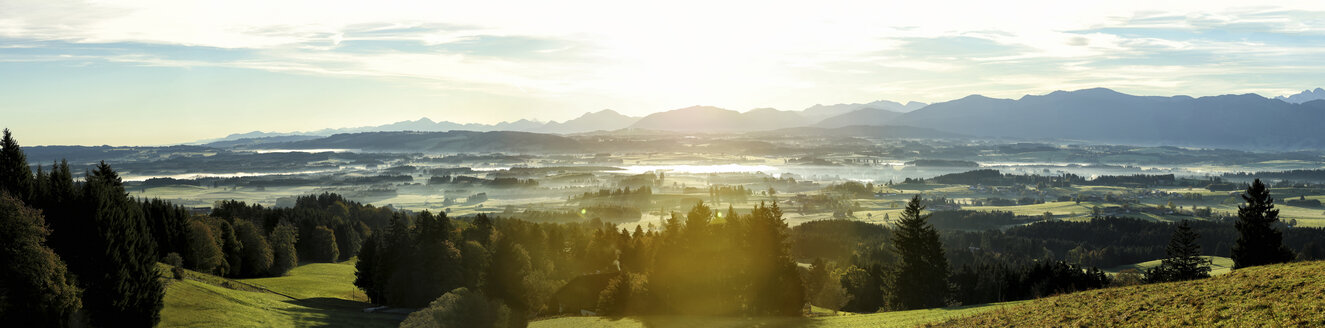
721, 321
335, 312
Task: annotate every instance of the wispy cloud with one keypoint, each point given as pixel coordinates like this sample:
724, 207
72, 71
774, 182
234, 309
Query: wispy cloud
567, 57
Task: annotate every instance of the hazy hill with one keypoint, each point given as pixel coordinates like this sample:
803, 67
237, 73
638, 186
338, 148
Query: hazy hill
601, 120
1304, 96
1107, 116
452, 141
604, 120
1284, 295
866, 131
249, 142
713, 119
864, 116
820, 112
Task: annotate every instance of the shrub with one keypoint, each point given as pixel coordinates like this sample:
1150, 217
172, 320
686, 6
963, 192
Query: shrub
463, 308
175, 262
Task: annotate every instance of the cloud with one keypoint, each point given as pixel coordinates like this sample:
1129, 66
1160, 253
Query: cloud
735, 54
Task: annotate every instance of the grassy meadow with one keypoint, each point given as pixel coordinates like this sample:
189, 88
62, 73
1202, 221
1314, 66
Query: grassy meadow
1283, 295
1218, 265
311, 295
885, 319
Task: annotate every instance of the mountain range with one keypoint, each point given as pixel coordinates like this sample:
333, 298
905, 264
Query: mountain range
1304, 96
1097, 115
1100, 115
820, 112
690, 119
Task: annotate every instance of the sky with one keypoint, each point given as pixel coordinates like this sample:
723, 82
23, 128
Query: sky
162, 72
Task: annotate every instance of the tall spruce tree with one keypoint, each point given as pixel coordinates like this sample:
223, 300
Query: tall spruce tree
122, 284
921, 279
15, 175
1259, 243
1184, 261
365, 271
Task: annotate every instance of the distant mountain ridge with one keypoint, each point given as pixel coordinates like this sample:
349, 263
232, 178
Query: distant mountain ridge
713, 119
1304, 96
603, 120
863, 116
821, 112
1096, 115
450, 141
1101, 115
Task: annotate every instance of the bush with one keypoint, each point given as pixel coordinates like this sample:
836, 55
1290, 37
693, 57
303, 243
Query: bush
173, 259
463, 308
626, 294
175, 262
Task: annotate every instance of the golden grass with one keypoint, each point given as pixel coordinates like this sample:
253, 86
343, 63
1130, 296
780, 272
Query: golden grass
1284, 295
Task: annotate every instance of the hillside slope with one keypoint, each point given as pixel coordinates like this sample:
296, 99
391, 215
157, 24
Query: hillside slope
1219, 265
883, 320
1284, 295
311, 295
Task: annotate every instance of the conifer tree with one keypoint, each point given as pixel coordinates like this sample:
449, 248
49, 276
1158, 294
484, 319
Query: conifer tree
365, 271
921, 279
15, 175
1184, 261
232, 262
1259, 243
121, 282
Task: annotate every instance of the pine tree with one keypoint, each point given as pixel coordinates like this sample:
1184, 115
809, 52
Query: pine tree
121, 282
15, 175
365, 271
921, 279
1259, 243
232, 261
1184, 260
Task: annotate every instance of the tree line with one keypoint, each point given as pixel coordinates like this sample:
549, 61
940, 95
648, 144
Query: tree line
73, 252
83, 252
907, 266
704, 262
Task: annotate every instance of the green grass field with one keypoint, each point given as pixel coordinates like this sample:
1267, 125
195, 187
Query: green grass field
1219, 265
1284, 295
315, 280
885, 319
319, 300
